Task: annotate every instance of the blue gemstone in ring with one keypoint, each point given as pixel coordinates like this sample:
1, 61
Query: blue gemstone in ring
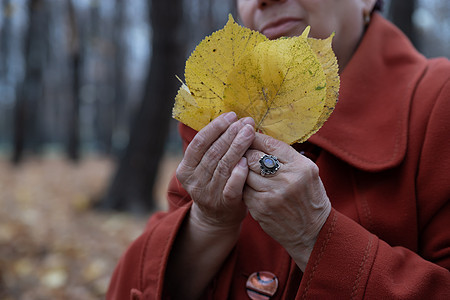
269, 164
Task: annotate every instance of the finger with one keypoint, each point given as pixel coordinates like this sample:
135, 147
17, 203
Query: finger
221, 146
269, 145
206, 137
253, 156
258, 183
235, 184
234, 153
254, 161
252, 199
264, 183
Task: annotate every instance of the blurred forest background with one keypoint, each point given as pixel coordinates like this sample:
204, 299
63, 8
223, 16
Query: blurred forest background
86, 91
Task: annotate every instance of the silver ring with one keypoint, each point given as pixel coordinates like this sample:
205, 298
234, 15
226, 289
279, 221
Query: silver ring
269, 165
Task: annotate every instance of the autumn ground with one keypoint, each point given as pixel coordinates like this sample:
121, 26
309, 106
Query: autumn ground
52, 245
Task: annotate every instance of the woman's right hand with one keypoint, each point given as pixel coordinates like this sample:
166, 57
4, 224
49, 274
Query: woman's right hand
213, 171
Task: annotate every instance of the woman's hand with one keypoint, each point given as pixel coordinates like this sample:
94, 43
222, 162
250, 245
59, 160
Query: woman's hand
291, 205
213, 171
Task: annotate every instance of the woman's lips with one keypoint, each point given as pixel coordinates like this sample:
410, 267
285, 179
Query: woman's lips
280, 28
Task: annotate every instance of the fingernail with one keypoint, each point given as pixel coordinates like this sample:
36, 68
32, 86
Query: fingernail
243, 162
249, 120
230, 117
248, 130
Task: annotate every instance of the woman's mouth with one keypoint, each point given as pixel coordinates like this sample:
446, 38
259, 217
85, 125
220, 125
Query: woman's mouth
279, 28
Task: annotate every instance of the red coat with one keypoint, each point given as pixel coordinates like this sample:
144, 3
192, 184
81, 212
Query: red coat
385, 163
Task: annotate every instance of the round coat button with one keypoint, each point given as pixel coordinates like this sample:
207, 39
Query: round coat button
262, 285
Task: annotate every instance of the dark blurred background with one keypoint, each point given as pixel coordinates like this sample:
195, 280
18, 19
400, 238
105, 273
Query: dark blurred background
87, 142
98, 76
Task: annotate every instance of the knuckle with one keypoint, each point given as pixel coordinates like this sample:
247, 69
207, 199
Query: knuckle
229, 193
271, 144
315, 170
217, 125
223, 168
235, 150
181, 173
196, 193
240, 145
234, 128
312, 169
206, 169
232, 133
255, 157
214, 153
198, 143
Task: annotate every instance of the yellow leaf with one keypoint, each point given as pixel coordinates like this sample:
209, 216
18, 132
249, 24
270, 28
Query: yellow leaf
189, 112
289, 86
328, 60
281, 84
206, 72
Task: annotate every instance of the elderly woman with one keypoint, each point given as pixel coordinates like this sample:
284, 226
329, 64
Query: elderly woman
361, 210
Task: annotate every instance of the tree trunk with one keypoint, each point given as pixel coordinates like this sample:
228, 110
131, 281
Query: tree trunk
26, 127
132, 185
119, 79
5, 37
73, 142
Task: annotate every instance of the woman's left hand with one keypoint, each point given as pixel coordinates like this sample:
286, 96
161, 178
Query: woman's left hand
290, 205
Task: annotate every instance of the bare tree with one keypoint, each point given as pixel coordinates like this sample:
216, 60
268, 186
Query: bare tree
5, 37
119, 79
132, 186
73, 142
26, 127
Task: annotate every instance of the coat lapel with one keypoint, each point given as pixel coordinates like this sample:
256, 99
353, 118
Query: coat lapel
369, 126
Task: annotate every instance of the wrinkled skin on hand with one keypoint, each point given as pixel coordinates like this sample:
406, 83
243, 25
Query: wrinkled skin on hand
291, 205
213, 171
221, 172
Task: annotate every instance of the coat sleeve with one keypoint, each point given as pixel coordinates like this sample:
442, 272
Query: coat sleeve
351, 263
140, 271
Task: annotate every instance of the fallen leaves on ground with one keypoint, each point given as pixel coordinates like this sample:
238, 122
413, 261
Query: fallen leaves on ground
52, 244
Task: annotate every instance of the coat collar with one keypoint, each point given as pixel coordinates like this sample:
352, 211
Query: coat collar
369, 126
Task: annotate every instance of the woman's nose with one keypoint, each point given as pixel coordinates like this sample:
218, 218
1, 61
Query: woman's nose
265, 3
